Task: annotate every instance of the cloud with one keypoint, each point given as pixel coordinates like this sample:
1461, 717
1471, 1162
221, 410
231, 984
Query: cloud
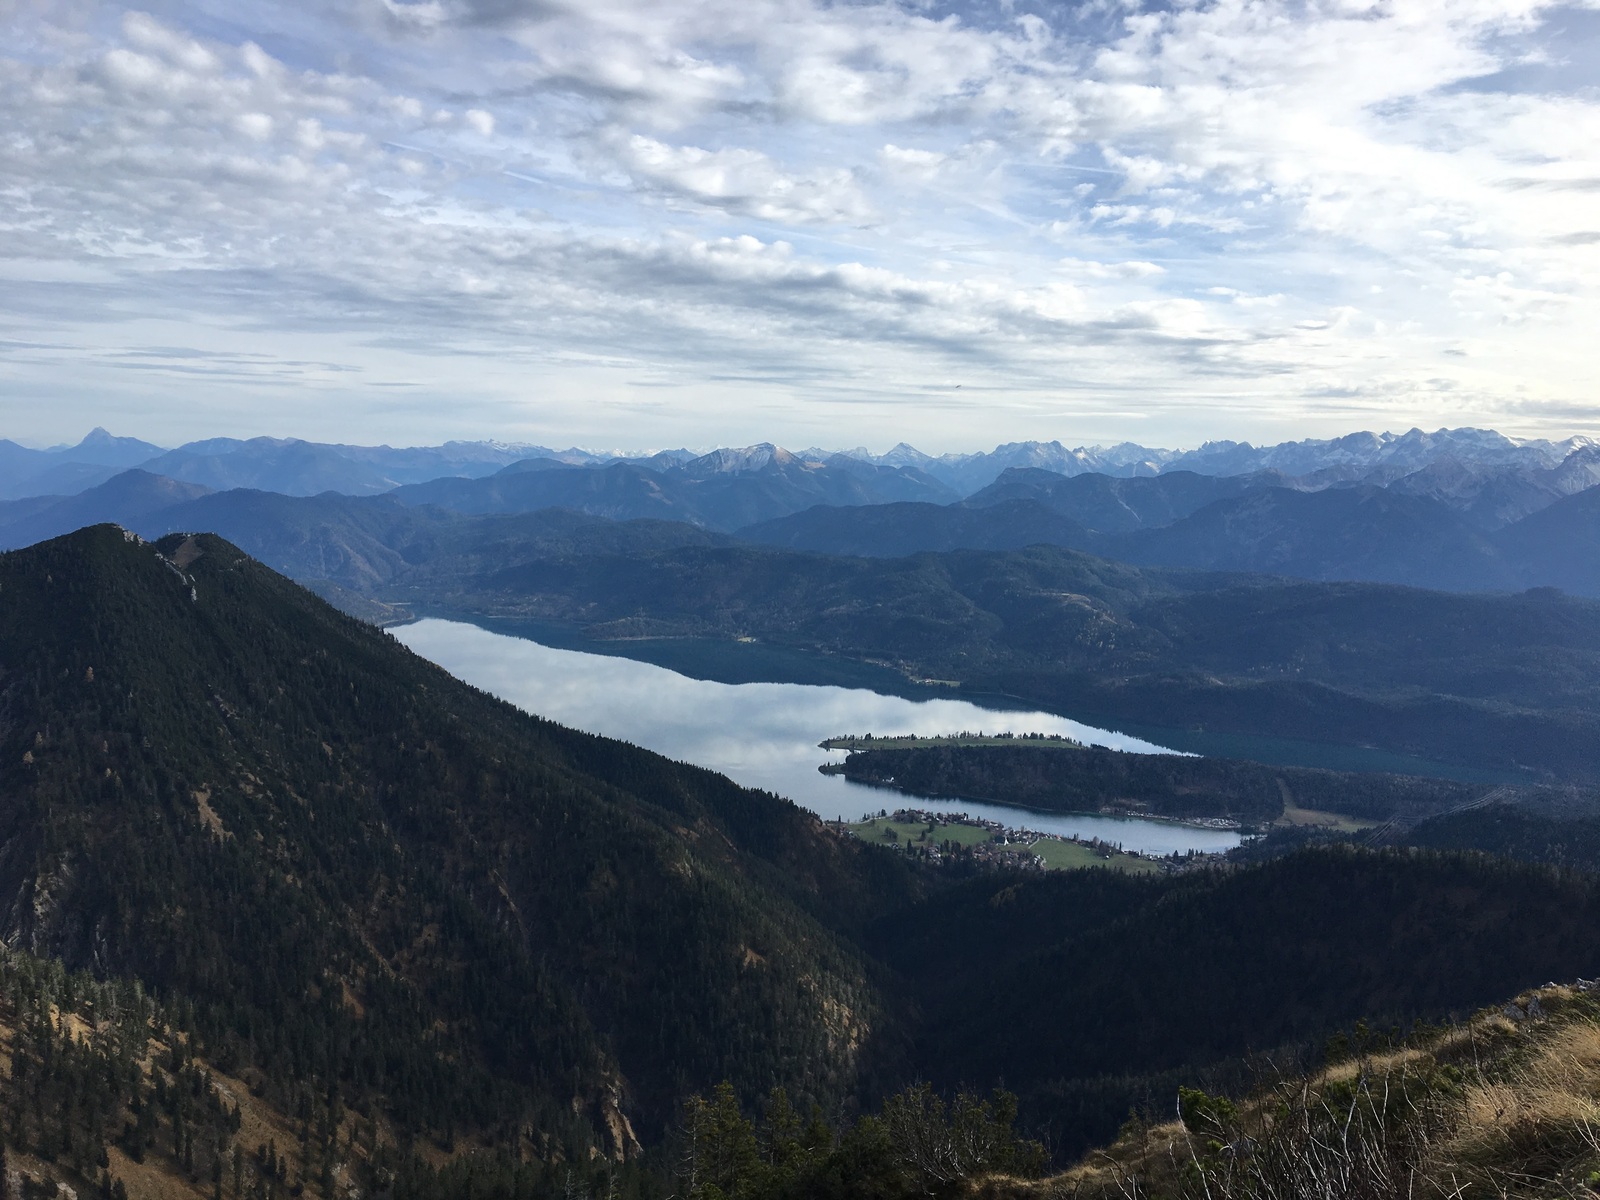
912, 163
1133, 269
744, 181
1281, 200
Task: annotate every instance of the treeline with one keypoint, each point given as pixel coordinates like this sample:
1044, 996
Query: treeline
1096, 779
1562, 839
102, 1077
916, 1144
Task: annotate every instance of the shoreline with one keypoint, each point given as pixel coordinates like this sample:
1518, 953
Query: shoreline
1211, 824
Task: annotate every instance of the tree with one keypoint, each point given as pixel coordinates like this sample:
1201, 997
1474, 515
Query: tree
723, 1159
943, 1144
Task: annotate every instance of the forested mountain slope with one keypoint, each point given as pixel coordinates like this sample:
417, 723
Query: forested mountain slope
1109, 504
1366, 533
1099, 991
359, 543
367, 877
892, 530
1258, 523
368, 543
1500, 682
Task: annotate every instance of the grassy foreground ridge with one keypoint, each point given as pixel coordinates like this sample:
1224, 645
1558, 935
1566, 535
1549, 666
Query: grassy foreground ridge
1504, 1104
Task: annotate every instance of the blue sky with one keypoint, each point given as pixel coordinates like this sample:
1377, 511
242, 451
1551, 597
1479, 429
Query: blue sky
631, 224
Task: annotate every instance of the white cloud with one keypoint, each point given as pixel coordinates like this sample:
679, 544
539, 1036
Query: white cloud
741, 180
1281, 200
254, 125
911, 163
148, 34
1132, 269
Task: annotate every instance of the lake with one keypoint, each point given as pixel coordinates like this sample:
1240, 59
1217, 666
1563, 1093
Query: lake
765, 735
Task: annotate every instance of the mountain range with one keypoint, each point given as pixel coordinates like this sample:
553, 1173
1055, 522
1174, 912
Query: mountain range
65, 470
1261, 523
1110, 596
297, 467
1350, 456
257, 856
1445, 526
723, 490
292, 466
1462, 520
1121, 636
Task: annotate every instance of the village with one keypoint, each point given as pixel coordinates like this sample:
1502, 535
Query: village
938, 837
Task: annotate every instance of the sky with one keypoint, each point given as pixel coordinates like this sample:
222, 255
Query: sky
715, 222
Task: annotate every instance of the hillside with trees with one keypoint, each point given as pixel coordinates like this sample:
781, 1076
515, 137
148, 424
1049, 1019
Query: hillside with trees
291, 910
1501, 684
370, 879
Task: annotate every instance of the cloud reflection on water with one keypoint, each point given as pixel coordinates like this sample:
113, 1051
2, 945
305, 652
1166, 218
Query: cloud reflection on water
762, 735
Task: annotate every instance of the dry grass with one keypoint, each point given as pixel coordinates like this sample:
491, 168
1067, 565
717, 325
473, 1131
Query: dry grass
1317, 818
1534, 1124
1497, 1108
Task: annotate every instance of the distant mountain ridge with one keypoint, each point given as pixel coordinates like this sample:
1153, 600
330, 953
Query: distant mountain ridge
1439, 510
63, 470
298, 467
1445, 526
292, 466
1355, 452
725, 490
1263, 523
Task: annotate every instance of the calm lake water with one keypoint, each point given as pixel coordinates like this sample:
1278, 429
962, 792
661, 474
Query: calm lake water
765, 735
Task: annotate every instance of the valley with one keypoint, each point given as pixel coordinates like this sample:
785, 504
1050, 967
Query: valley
761, 734
655, 557
623, 881
800, 600
1250, 657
